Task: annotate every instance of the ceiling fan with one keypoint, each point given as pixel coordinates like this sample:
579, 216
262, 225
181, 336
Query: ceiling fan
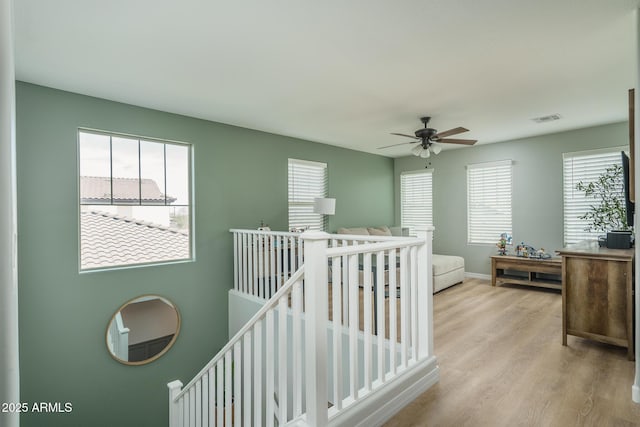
430, 139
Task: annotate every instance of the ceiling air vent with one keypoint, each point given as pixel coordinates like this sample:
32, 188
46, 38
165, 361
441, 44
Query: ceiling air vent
545, 119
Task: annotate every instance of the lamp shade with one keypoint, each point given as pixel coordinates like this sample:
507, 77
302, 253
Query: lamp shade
325, 206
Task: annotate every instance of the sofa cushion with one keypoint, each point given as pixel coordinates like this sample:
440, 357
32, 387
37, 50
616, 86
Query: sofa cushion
445, 263
359, 231
379, 231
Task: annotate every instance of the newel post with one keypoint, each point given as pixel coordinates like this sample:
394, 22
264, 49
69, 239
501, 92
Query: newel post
316, 307
175, 419
425, 292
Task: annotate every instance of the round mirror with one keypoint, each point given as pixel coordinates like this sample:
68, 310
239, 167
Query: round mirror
142, 330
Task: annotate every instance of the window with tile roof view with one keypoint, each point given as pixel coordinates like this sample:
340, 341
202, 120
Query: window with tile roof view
135, 198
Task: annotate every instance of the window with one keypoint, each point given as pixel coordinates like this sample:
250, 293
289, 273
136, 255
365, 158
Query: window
488, 201
307, 180
416, 200
583, 166
135, 200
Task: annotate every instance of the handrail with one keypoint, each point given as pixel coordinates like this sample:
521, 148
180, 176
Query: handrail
266, 233
366, 237
263, 310
372, 247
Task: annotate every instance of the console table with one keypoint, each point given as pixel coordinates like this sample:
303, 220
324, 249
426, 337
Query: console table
503, 268
597, 294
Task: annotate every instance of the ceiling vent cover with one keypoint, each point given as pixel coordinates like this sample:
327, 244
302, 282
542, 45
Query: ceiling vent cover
545, 119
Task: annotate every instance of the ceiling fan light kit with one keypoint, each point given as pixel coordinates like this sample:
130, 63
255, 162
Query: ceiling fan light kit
427, 137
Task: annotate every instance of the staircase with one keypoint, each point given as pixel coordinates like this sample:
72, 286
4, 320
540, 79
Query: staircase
345, 335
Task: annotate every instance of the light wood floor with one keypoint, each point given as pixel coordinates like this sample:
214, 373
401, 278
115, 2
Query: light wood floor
503, 364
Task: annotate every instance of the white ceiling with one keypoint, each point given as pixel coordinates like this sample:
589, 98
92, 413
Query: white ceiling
345, 73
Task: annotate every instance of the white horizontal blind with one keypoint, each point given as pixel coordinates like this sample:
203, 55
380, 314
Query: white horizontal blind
416, 194
307, 180
585, 166
488, 201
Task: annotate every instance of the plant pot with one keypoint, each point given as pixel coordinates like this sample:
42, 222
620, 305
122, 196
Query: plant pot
619, 239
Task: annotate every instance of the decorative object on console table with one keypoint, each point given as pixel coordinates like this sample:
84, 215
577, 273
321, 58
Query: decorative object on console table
597, 294
542, 273
527, 251
505, 239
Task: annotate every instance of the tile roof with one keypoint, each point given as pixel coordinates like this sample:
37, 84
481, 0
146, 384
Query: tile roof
97, 189
110, 240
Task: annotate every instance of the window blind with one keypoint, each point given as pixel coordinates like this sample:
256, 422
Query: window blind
416, 195
307, 180
488, 201
585, 166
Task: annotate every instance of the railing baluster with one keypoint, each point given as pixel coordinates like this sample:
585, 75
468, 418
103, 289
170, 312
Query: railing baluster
296, 307
393, 316
404, 303
278, 253
254, 282
228, 390
366, 270
345, 287
186, 405
354, 290
192, 407
258, 358
260, 266
250, 263
285, 259
246, 370
236, 271
272, 266
245, 263
220, 393
236, 373
414, 303
380, 314
204, 401
283, 359
336, 291
269, 368
211, 406
198, 404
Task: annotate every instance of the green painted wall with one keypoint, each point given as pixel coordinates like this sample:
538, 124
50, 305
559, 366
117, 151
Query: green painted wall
240, 179
537, 189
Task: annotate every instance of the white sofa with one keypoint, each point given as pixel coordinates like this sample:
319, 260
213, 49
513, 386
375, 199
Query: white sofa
448, 270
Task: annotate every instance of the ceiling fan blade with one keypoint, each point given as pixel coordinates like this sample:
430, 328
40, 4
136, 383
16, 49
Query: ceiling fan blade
404, 134
450, 132
395, 145
458, 141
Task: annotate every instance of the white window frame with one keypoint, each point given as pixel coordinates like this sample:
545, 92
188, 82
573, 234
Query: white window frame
416, 199
583, 166
489, 201
190, 205
306, 180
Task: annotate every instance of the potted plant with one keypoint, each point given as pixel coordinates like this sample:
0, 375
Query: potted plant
607, 213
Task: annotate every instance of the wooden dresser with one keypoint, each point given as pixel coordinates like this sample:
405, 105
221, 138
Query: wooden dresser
597, 294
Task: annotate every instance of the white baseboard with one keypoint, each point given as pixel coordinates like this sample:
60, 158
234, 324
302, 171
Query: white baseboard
471, 275
635, 393
384, 403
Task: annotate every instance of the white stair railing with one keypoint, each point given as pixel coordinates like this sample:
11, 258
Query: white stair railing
264, 260
290, 363
239, 385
